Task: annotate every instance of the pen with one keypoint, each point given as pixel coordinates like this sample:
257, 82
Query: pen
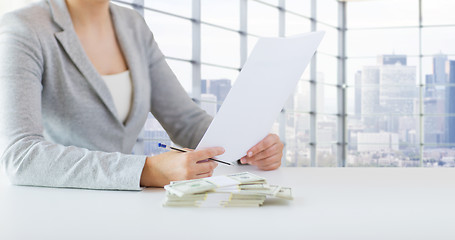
161, 145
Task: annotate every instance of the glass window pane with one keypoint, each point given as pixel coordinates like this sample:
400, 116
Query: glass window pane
221, 12
438, 99
327, 11
209, 72
183, 71
438, 40
382, 41
386, 99
178, 7
172, 34
297, 138
439, 129
262, 19
326, 155
439, 156
299, 6
215, 85
382, 13
438, 12
327, 68
382, 155
326, 130
355, 67
300, 100
296, 25
220, 46
152, 134
329, 43
382, 84
326, 99
385, 129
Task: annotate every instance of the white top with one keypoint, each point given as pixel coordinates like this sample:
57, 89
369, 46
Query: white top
121, 90
329, 203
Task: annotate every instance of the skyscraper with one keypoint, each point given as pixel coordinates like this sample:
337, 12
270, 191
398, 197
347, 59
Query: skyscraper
370, 97
392, 60
397, 89
388, 94
439, 69
370, 89
218, 87
204, 86
435, 101
358, 93
450, 104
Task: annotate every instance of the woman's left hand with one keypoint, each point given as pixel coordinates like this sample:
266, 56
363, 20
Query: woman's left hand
266, 155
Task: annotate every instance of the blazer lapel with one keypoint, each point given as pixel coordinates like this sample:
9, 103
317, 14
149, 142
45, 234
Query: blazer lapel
70, 42
130, 52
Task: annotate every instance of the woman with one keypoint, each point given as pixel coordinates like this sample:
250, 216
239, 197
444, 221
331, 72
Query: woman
77, 79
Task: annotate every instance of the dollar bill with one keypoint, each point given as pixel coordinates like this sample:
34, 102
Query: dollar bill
233, 190
181, 188
285, 193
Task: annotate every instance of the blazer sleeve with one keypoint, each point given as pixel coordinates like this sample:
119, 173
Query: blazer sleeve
27, 157
183, 120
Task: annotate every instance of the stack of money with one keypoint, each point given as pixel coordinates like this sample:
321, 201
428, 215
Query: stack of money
234, 190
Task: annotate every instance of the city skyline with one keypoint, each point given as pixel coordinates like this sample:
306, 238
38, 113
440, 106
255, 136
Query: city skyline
368, 35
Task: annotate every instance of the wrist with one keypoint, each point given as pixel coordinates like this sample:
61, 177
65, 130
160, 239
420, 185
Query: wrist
146, 177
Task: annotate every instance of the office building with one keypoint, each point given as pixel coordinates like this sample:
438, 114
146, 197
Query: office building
439, 69
217, 87
377, 142
450, 104
435, 102
358, 94
392, 60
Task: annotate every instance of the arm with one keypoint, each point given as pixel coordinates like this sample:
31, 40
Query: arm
182, 119
27, 157
186, 123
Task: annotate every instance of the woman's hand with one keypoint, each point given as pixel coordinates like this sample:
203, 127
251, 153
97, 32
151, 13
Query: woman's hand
266, 155
161, 169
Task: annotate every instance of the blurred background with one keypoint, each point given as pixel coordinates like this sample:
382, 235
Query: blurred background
380, 91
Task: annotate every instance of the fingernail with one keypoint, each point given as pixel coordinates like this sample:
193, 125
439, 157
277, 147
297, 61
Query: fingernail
242, 160
250, 154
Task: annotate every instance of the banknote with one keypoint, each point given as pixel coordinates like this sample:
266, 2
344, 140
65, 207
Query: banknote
234, 190
181, 188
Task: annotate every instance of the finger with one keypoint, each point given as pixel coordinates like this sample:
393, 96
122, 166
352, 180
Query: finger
267, 161
204, 167
205, 153
270, 151
272, 166
268, 141
204, 175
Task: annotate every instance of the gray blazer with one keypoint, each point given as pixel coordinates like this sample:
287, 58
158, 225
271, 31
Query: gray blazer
58, 123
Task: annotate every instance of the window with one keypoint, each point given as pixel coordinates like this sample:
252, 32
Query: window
384, 99
399, 85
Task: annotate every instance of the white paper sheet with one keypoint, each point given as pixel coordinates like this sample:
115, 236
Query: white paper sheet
266, 81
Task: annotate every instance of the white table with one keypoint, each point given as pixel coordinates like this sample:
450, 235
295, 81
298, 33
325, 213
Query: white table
330, 203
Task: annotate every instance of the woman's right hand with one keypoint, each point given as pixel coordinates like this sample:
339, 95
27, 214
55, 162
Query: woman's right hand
161, 169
